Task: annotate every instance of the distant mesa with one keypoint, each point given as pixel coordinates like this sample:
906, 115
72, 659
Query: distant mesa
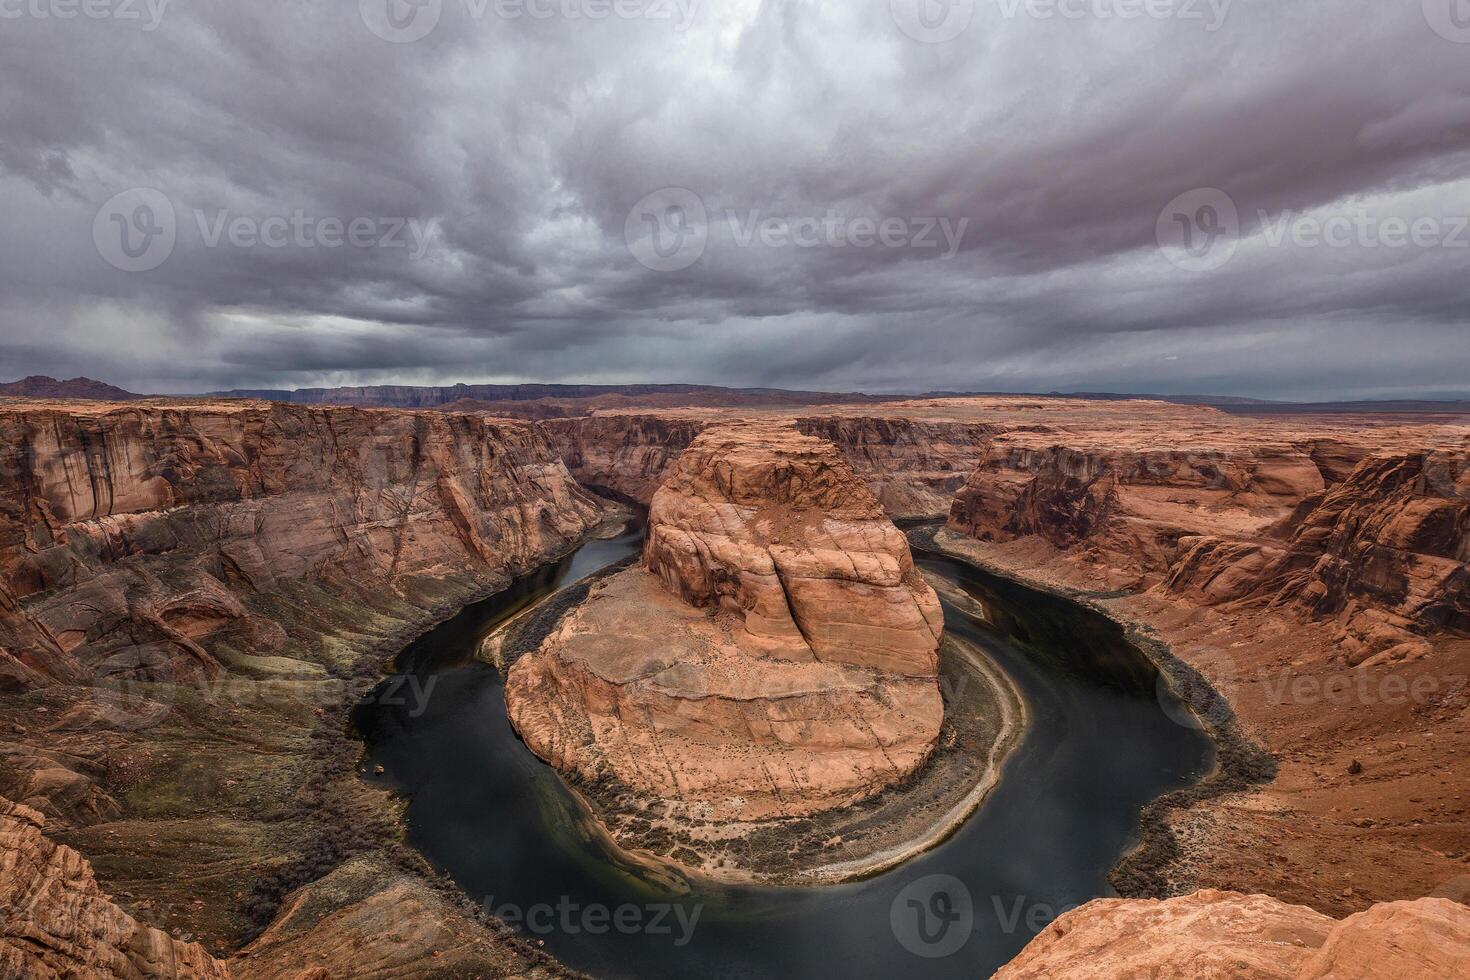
41, 386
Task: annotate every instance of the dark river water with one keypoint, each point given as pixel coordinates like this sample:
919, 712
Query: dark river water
484, 809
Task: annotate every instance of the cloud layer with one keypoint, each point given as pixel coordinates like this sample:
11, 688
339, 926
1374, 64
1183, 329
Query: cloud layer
860, 203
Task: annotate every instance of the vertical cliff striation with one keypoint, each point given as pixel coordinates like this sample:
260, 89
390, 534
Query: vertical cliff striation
913, 466
624, 455
165, 529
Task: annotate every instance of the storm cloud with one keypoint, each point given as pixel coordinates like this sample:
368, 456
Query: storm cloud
1249, 197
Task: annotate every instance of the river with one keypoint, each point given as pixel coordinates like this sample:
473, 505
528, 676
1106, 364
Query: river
1099, 745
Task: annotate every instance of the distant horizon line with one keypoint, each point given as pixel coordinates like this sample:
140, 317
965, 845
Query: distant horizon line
640, 387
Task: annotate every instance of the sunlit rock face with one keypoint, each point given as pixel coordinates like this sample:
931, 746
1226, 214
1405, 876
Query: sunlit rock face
1211, 935
59, 923
775, 654
1344, 529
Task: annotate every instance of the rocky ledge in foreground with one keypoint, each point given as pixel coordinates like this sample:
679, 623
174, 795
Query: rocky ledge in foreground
1212, 935
57, 922
775, 656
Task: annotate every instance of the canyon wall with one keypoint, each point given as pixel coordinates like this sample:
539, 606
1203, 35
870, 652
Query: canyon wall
1212, 934
193, 595
162, 529
622, 454
913, 466
1376, 542
1313, 571
1384, 554
774, 656
1128, 508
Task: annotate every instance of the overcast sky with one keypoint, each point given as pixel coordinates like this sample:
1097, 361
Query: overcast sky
881, 195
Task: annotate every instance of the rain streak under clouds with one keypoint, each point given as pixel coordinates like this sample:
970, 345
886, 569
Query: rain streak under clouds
1257, 197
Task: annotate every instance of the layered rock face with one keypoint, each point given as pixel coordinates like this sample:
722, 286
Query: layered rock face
1128, 508
1212, 935
193, 595
624, 454
1384, 554
56, 922
913, 466
1379, 541
776, 655
152, 532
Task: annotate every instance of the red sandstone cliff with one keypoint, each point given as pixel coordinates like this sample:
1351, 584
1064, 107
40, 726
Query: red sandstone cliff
912, 466
161, 529
1212, 935
810, 681
1381, 548
624, 454
56, 922
193, 594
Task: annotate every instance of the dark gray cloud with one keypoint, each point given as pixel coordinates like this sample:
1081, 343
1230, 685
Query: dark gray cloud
493, 163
